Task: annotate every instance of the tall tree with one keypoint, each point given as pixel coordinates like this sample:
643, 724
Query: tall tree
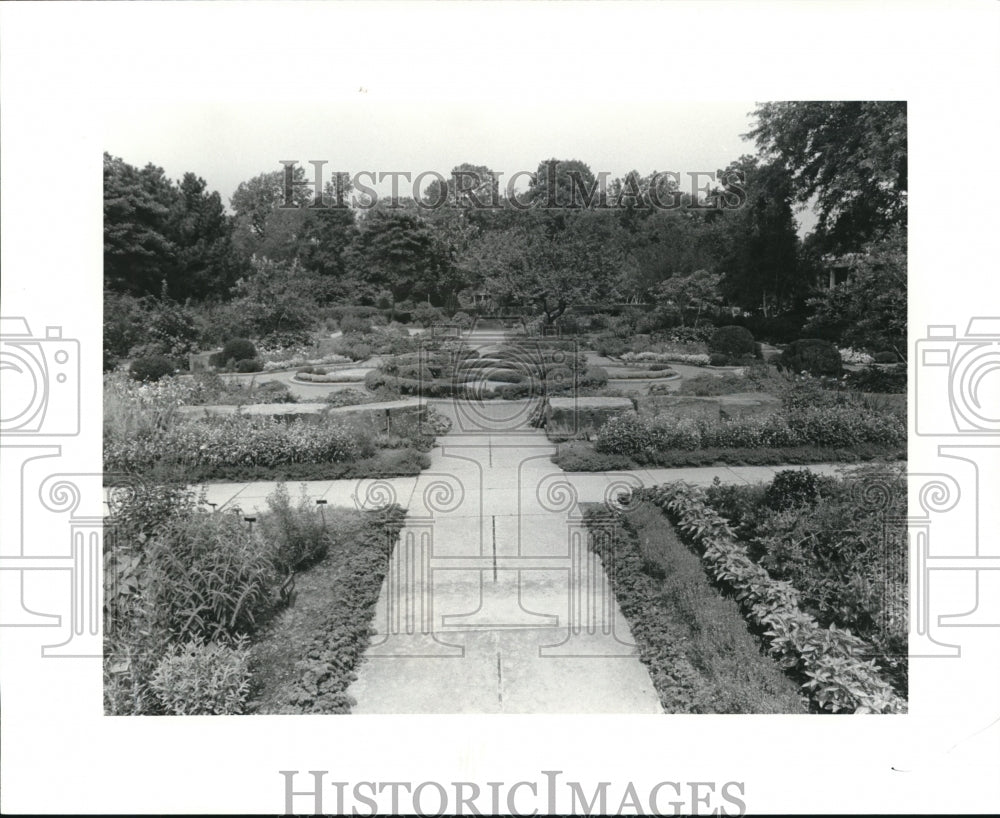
850, 156
138, 250
263, 227
760, 256
396, 251
203, 234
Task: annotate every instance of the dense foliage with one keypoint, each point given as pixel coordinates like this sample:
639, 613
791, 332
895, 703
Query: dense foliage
839, 667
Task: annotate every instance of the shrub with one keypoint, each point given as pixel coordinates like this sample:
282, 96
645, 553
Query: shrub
833, 660
718, 359
236, 349
353, 348
692, 358
877, 379
791, 488
152, 368
812, 355
236, 440
198, 679
426, 315
249, 365
689, 335
732, 341
609, 346
885, 357
297, 535
355, 324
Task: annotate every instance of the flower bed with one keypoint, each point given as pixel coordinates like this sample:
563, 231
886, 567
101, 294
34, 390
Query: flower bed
693, 359
834, 426
186, 590
700, 656
237, 440
838, 677
841, 542
322, 376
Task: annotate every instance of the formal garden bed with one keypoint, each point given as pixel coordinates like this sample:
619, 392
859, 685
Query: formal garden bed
697, 648
705, 423
200, 607
146, 434
818, 566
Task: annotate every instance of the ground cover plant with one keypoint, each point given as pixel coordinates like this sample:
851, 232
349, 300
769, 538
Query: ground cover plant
838, 668
700, 655
308, 655
187, 592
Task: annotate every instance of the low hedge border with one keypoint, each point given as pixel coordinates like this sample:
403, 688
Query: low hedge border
340, 640
311, 378
838, 679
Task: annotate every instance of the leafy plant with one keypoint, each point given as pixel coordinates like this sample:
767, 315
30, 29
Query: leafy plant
839, 676
196, 679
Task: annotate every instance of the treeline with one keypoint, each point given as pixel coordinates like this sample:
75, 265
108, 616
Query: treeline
176, 240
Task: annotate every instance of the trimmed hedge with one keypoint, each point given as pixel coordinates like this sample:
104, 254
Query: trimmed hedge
838, 679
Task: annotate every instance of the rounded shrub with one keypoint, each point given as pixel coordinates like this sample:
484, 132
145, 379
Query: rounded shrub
238, 349
812, 355
151, 368
732, 341
791, 488
886, 357
718, 359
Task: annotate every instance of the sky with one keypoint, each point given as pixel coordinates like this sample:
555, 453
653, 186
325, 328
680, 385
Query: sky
229, 142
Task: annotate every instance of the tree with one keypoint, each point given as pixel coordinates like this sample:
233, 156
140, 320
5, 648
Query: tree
138, 251
697, 291
868, 311
263, 227
530, 266
396, 251
157, 231
202, 233
760, 255
851, 156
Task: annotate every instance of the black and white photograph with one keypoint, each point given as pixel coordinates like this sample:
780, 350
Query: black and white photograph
439, 405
